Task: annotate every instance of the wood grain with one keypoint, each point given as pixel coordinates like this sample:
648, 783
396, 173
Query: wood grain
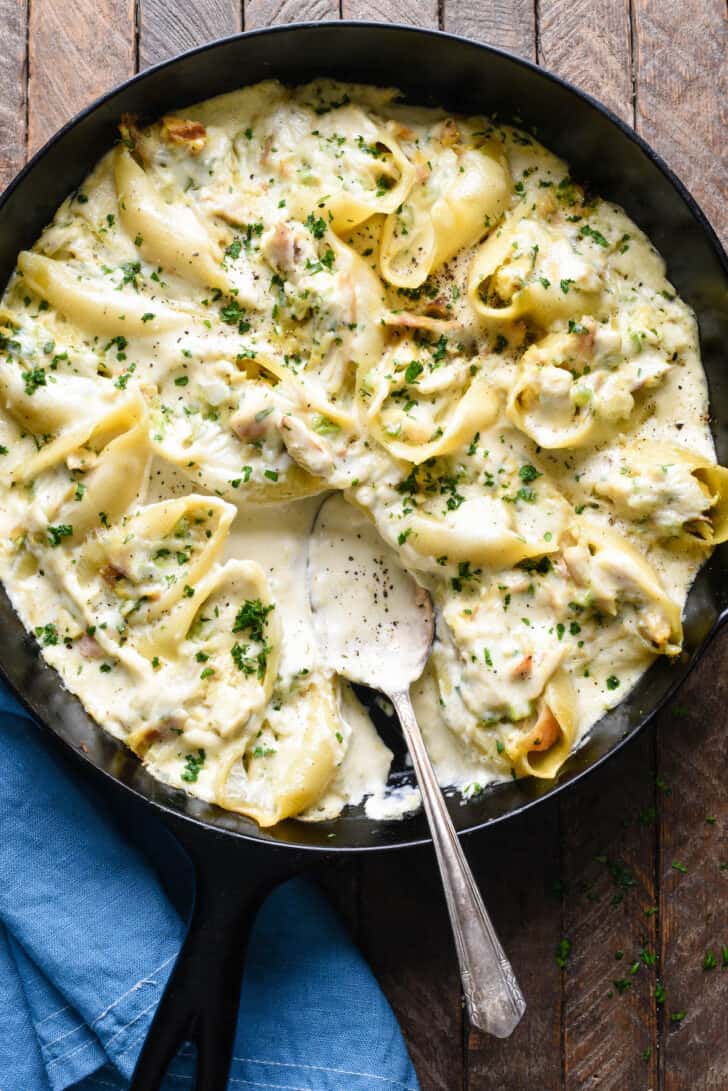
693, 902
681, 85
588, 43
682, 94
508, 24
609, 831
587, 868
608, 823
405, 935
517, 868
419, 13
167, 28
73, 60
266, 13
13, 88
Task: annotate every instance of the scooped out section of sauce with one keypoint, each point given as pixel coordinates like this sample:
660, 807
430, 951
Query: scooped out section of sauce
372, 621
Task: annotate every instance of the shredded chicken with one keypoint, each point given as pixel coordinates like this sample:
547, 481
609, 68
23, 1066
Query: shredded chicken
188, 134
523, 668
90, 648
305, 447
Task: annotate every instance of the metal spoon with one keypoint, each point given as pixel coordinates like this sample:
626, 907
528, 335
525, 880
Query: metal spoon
374, 626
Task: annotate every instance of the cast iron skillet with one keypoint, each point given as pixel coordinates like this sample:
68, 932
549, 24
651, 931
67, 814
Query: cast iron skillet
236, 863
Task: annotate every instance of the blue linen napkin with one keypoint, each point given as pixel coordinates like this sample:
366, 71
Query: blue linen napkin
88, 938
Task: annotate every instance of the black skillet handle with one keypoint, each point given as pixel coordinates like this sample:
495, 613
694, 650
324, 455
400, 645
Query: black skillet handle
201, 1000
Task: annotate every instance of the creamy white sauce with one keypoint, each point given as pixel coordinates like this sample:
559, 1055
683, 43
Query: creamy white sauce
372, 622
233, 316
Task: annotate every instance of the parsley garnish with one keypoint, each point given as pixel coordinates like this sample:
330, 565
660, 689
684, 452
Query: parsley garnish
193, 765
47, 634
252, 617
595, 236
249, 664
563, 950
414, 370
528, 473
55, 534
317, 226
33, 379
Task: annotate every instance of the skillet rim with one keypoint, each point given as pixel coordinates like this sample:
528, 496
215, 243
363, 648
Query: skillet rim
180, 821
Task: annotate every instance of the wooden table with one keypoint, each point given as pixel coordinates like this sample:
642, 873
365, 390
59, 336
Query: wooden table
632, 867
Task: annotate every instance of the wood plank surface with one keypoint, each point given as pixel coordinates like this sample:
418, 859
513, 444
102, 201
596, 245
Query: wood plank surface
419, 13
693, 871
609, 836
508, 24
595, 871
682, 94
267, 13
73, 60
168, 28
13, 88
681, 89
517, 869
588, 43
405, 936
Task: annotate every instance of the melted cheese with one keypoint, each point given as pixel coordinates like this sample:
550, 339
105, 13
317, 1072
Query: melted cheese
288, 292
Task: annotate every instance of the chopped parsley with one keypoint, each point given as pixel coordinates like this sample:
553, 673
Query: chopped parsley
528, 473
325, 427
563, 950
33, 379
542, 565
250, 664
130, 270
710, 961
47, 634
232, 314
595, 236
193, 765
252, 617
58, 532
414, 370
317, 226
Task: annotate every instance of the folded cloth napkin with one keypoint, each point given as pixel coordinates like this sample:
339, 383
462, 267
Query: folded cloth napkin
88, 938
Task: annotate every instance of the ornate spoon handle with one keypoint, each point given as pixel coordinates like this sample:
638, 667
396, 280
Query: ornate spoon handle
494, 999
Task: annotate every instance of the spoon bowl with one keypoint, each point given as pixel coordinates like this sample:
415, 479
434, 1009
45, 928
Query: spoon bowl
373, 622
374, 625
